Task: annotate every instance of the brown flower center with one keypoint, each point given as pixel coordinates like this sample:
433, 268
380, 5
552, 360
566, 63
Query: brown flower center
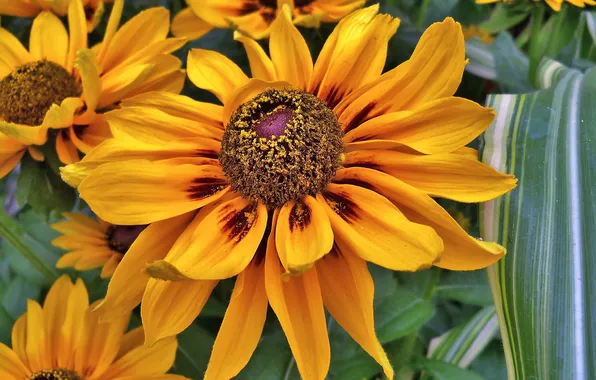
55, 374
281, 146
120, 238
273, 3
29, 91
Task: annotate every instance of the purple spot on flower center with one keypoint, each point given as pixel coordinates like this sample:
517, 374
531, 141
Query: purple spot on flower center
274, 124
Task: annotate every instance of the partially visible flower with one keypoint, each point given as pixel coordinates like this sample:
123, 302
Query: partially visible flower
554, 4
474, 31
94, 9
254, 17
292, 183
61, 85
64, 340
93, 243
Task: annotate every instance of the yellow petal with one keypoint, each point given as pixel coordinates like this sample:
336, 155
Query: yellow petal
156, 127
434, 71
142, 361
348, 290
261, 66
12, 52
167, 76
35, 153
77, 26
216, 12
37, 340
73, 327
86, 64
102, 341
49, 39
135, 35
187, 24
255, 25
341, 68
242, 325
440, 126
18, 8
62, 116
142, 192
11, 365
10, 163
447, 175
303, 234
110, 267
111, 29
169, 307
19, 341
24, 134
128, 282
67, 152
297, 302
224, 242
215, 73
115, 85
368, 225
462, 252
289, 52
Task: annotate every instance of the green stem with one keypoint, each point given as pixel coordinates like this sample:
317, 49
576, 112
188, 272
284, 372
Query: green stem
422, 13
535, 48
551, 50
11, 231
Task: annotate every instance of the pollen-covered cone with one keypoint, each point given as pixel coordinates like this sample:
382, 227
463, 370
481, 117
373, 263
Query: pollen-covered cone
94, 9
300, 177
93, 243
554, 4
253, 18
64, 339
59, 83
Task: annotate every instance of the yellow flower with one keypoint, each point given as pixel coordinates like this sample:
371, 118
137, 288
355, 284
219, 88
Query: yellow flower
554, 4
64, 340
93, 243
474, 31
305, 174
254, 17
29, 8
61, 84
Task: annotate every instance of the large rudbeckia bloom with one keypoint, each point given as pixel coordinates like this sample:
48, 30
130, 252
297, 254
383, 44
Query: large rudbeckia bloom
94, 9
254, 17
61, 85
64, 340
303, 175
554, 4
93, 243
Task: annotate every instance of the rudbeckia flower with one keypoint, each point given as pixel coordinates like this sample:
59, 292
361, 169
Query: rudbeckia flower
64, 340
61, 85
93, 243
554, 4
253, 18
304, 174
94, 9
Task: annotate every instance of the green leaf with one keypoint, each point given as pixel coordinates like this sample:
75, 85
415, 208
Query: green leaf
544, 284
194, 349
490, 364
398, 312
445, 371
464, 343
467, 287
42, 188
271, 360
505, 16
511, 65
348, 360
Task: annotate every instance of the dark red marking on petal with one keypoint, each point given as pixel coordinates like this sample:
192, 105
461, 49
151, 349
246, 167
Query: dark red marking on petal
355, 182
360, 117
300, 216
240, 222
343, 205
207, 153
363, 164
202, 188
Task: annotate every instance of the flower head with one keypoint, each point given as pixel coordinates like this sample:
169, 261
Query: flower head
64, 340
482, 34
94, 9
554, 4
93, 243
254, 17
61, 85
304, 174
